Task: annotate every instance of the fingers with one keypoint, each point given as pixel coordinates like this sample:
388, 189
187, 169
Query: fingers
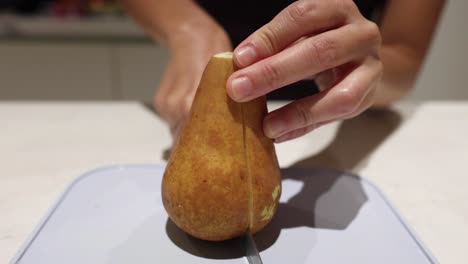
309, 57
297, 20
345, 99
296, 133
160, 99
366, 103
176, 129
331, 77
175, 94
329, 40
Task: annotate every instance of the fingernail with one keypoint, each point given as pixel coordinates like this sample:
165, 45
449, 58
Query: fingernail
241, 88
245, 56
282, 138
274, 127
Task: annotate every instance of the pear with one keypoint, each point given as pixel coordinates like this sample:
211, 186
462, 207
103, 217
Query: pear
222, 178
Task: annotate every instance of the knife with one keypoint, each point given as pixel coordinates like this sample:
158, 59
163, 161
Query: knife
251, 250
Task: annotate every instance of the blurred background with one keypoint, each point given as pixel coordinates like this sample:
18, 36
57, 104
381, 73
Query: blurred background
90, 50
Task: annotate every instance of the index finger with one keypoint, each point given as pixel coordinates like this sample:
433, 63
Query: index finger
301, 18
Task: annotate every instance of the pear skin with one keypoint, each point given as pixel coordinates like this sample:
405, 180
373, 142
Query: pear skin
222, 178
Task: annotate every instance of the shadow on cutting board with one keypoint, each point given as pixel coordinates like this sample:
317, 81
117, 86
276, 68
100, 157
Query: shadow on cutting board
229, 249
355, 140
325, 198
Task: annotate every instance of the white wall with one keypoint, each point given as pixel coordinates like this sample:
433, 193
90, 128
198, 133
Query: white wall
445, 71
58, 70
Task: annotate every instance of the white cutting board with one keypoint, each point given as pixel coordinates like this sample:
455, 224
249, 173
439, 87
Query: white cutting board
115, 215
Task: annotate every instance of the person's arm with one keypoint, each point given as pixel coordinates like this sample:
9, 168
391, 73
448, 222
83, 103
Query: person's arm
166, 20
192, 37
407, 28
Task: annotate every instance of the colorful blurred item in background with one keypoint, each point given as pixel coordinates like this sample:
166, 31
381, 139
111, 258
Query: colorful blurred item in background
104, 7
62, 8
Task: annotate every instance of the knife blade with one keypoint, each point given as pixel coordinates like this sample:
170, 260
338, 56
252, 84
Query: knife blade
251, 250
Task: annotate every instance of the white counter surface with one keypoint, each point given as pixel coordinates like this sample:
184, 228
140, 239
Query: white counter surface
416, 153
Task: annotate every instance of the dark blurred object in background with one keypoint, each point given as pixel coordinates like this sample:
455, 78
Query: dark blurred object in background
23, 7
61, 8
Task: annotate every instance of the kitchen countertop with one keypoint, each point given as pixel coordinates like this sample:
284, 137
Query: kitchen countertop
414, 152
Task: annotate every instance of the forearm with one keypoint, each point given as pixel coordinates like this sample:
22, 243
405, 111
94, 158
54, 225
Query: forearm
166, 20
401, 68
406, 39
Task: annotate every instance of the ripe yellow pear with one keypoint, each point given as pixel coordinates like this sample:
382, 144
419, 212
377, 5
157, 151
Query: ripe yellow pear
222, 179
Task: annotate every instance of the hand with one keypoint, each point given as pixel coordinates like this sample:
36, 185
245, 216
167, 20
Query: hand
190, 51
329, 41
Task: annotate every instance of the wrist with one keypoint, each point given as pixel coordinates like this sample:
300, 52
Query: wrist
195, 30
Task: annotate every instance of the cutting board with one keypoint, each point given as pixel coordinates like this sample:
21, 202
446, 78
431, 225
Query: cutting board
115, 215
